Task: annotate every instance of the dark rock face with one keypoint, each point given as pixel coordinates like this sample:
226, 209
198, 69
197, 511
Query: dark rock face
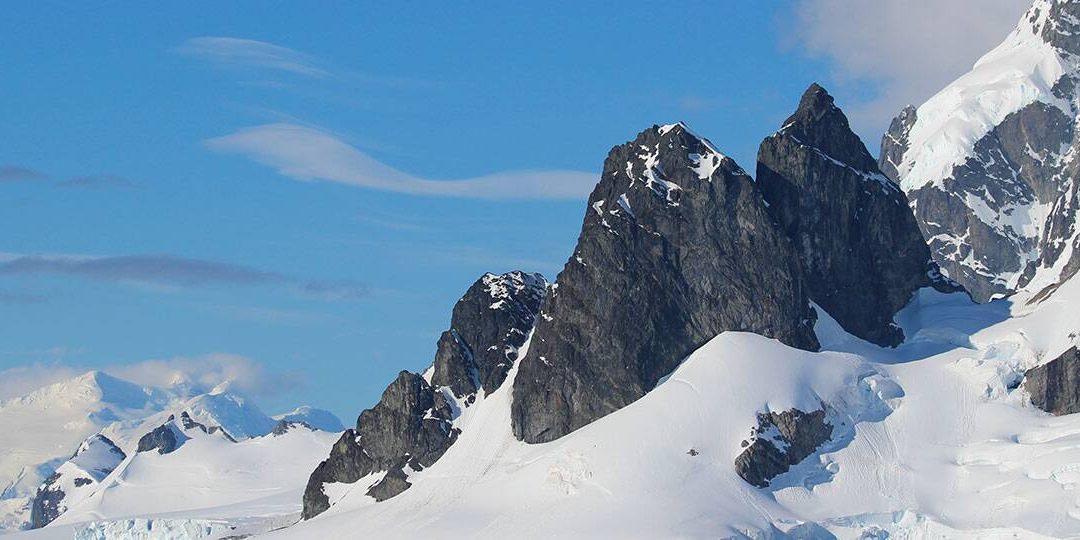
46, 505
676, 247
410, 426
781, 440
165, 438
392, 484
860, 247
285, 426
489, 324
895, 143
1055, 386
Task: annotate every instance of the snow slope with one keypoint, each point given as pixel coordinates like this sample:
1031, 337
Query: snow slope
43, 429
1018, 72
932, 438
208, 486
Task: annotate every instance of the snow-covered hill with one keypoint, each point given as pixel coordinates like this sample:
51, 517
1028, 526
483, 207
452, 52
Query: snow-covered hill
207, 486
50, 430
934, 438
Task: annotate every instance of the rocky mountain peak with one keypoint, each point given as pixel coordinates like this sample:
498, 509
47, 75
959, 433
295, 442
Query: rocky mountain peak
895, 143
859, 245
819, 123
676, 247
412, 425
488, 326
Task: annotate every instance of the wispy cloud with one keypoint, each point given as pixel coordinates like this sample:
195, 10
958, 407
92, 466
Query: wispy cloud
98, 182
172, 271
307, 154
154, 269
9, 173
13, 173
21, 380
201, 373
231, 52
17, 297
907, 49
242, 373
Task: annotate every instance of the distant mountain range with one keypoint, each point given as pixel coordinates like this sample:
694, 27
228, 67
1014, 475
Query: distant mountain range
61, 442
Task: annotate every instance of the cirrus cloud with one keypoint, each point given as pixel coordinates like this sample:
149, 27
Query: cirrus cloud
231, 52
172, 271
307, 153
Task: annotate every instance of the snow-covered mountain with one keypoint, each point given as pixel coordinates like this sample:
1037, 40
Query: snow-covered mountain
932, 439
45, 427
989, 163
887, 403
188, 480
61, 441
720, 357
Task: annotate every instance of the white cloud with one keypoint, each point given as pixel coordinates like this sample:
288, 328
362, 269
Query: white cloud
908, 49
202, 373
305, 153
18, 381
236, 52
207, 371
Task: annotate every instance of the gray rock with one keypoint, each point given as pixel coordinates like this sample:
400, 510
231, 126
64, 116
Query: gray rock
285, 426
46, 505
895, 142
859, 245
165, 438
676, 247
347, 463
781, 440
1055, 386
395, 482
410, 426
489, 323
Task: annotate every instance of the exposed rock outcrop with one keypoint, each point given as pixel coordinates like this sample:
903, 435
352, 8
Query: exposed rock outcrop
412, 425
859, 245
1055, 386
165, 438
779, 441
489, 324
409, 427
676, 247
284, 426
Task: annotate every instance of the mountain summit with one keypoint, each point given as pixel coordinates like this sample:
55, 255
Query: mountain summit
859, 245
989, 165
676, 247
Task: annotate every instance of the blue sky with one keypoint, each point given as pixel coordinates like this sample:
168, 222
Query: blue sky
309, 189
